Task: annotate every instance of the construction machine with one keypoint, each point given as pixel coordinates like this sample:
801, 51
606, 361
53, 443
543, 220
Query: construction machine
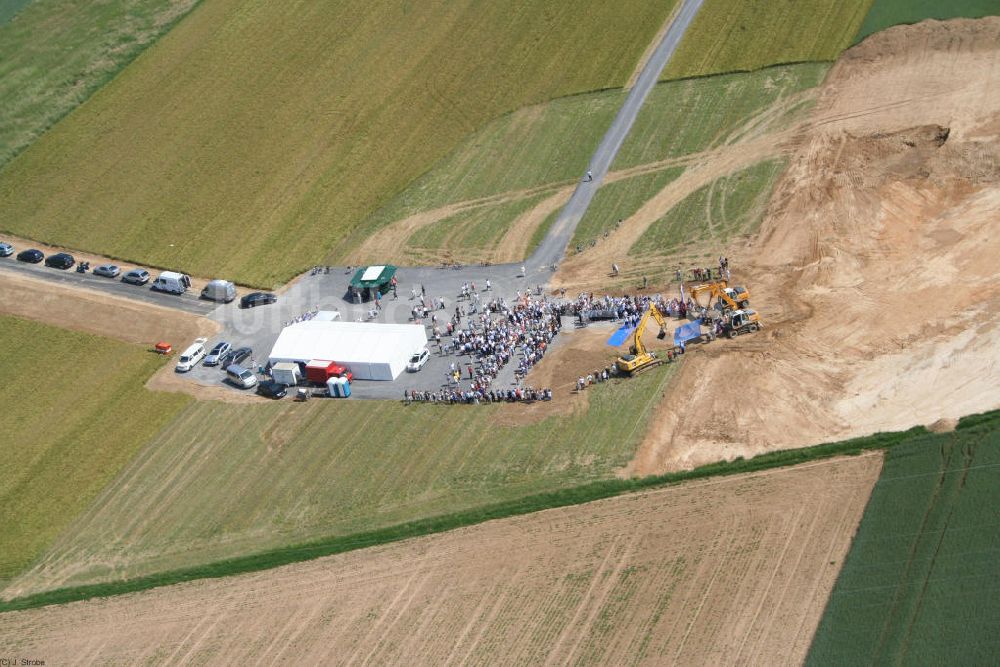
740, 322
732, 298
639, 359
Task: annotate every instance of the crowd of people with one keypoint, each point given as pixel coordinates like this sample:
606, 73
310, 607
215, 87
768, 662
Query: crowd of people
492, 338
478, 396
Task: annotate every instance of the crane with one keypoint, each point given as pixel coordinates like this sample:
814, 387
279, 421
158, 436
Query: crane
638, 358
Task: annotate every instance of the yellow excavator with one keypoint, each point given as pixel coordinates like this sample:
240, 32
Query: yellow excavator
732, 298
639, 359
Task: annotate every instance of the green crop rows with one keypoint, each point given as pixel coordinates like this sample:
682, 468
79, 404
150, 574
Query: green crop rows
920, 583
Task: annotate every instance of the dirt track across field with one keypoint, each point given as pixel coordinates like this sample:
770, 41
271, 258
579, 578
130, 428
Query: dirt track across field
875, 265
726, 571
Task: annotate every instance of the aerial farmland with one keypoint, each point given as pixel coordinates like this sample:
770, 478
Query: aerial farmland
479, 333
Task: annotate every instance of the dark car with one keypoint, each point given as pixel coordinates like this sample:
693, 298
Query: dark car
136, 277
60, 260
257, 299
272, 389
31, 256
236, 356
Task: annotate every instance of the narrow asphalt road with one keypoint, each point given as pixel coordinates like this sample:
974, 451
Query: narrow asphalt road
553, 247
187, 302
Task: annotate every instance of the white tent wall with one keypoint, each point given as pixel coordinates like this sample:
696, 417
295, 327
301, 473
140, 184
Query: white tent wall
370, 351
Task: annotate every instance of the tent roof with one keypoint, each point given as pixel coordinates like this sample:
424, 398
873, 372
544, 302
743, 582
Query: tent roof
348, 342
373, 276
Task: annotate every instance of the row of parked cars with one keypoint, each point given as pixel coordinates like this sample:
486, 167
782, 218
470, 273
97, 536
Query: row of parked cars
168, 281
232, 359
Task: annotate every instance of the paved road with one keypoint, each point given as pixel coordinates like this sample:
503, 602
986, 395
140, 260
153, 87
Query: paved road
188, 302
553, 248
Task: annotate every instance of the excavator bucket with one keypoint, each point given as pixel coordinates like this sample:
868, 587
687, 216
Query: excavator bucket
661, 335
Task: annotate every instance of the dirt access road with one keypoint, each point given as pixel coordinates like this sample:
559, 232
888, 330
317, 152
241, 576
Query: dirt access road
727, 571
875, 266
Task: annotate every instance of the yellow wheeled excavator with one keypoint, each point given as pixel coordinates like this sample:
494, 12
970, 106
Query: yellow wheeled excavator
639, 359
732, 298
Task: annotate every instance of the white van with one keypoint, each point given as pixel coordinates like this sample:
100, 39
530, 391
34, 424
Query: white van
219, 290
174, 283
241, 377
192, 355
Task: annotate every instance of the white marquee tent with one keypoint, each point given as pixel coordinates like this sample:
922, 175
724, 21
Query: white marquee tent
371, 351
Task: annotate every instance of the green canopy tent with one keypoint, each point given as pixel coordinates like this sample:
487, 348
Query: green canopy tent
371, 279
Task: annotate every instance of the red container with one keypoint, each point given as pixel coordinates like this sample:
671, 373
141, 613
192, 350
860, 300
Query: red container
319, 370
164, 348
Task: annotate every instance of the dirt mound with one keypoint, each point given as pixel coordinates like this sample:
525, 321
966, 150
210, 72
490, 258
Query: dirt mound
874, 267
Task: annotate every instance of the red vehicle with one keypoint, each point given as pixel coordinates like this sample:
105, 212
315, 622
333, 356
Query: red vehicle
321, 370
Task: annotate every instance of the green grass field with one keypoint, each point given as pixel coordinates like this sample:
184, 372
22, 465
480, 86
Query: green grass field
684, 117
727, 207
887, 13
74, 413
543, 147
284, 125
224, 481
919, 585
619, 200
739, 36
469, 235
56, 53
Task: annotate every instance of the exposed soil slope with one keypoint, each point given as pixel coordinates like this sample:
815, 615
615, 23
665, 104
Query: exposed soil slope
728, 571
875, 268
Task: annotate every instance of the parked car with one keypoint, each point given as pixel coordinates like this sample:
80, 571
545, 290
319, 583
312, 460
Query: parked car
236, 356
219, 290
241, 377
6, 250
257, 299
172, 282
107, 270
214, 358
192, 355
136, 277
272, 389
31, 256
418, 360
60, 260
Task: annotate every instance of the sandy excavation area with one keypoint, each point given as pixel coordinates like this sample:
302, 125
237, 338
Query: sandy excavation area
875, 267
724, 571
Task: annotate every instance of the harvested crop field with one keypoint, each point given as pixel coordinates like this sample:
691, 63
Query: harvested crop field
734, 570
748, 35
284, 125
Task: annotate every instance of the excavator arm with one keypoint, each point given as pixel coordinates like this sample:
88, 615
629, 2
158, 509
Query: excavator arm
637, 348
716, 290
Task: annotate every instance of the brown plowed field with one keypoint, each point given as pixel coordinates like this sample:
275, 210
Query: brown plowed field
724, 571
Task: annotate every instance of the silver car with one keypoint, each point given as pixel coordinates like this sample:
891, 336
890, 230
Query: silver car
107, 270
136, 277
6, 250
218, 352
